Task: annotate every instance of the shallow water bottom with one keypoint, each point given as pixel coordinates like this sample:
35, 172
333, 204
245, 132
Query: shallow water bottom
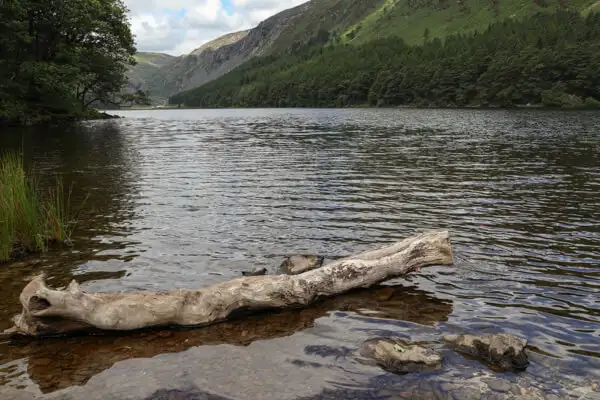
276, 355
188, 198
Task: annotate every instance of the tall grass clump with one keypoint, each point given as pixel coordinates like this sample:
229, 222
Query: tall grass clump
28, 220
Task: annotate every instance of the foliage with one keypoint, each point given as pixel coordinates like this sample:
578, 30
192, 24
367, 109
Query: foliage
314, 22
408, 19
29, 222
58, 57
512, 62
139, 97
336, 21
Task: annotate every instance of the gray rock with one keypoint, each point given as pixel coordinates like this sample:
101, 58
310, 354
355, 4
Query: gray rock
298, 264
255, 272
466, 394
504, 351
498, 385
496, 396
399, 357
563, 392
449, 386
531, 393
591, 396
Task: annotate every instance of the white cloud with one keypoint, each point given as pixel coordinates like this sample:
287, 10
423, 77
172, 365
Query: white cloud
180, 26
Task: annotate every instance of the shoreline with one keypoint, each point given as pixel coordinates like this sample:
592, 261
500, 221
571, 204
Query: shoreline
412, 107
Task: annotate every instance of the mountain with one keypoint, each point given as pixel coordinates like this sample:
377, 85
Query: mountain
352, 22
219, 42
147, 65
409, 19
307, 23
547, 55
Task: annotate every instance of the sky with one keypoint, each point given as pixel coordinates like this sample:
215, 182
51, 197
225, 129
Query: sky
179, 26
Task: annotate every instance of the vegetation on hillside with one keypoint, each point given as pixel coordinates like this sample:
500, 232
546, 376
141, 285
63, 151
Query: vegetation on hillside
343, 21
549, 59
415, 20
28, 220
309, 23
313, 22
58, 58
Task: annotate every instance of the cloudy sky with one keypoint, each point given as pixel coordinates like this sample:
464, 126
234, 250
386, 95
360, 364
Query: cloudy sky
180, 26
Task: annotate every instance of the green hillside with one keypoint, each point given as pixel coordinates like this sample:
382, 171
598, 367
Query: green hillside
410, 19
314, 21
336, 22
146, 68
311, 22
155, 59
548, 58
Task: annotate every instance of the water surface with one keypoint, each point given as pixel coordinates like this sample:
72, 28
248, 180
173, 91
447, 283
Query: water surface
188, 198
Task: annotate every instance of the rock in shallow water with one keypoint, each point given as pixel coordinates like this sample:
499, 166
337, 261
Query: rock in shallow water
298, 264
502, 350
255, 272
400, 357
499, 385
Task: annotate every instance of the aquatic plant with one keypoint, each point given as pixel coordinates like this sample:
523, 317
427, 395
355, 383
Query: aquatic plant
29, 222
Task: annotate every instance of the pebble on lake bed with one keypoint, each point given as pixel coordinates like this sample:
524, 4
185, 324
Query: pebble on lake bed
298, 264
399, 357
502, 350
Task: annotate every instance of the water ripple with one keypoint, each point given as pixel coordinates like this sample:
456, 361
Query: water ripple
188, 198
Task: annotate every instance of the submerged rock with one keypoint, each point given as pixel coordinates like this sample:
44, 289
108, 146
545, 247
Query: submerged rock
502, 350
400, 357
298, 264
255, 272
18, 253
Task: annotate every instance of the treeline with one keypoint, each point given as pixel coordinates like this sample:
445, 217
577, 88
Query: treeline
549, 59
57, 58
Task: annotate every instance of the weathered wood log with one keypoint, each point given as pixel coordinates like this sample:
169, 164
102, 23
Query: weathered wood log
47, 311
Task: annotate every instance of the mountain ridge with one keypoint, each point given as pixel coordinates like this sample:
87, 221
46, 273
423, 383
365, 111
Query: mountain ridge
335, 21
546, 59
292, 27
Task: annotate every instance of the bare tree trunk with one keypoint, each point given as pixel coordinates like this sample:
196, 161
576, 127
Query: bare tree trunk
47, 311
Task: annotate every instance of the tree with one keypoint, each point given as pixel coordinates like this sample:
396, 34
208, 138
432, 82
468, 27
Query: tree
534, 60
139, 97
57, 57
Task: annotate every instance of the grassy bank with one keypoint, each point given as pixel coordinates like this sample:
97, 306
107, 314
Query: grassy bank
29, 220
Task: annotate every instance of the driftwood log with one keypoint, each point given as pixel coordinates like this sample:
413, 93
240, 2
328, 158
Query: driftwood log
49, 312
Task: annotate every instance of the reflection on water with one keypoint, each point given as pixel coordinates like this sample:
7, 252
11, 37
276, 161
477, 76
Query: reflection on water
59, 363
190, 198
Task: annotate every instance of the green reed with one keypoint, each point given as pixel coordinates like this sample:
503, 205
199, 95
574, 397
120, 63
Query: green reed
29, 222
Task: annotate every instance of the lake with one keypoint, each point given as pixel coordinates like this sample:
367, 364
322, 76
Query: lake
189, 198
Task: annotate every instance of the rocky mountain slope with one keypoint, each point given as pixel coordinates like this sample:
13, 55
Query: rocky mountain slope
219, 42
308, 23
148, 64
546, 59
333, 21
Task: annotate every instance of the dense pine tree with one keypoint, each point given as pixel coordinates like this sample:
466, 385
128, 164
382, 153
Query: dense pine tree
549, 59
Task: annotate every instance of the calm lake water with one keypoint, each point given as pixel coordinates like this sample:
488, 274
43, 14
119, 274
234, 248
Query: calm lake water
188, 198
